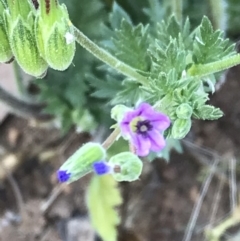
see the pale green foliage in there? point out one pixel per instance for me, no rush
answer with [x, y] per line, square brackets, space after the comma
[168, 51]
[126, 41]
[67, 93]
[102, 198]
[162, 51]
[209, 45]
[130, 43]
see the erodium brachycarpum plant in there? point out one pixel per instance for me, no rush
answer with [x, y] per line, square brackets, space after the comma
[169, 70]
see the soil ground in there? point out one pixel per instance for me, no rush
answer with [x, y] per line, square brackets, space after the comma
[33, 206]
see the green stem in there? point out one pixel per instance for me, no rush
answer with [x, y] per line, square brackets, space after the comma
[111, 139]
[176, 6]
[217, 66]
[107, 58]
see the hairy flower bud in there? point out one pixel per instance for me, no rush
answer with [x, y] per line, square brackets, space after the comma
[20, 22]
[5, 49]
[80, 163]
[180, 128]
[54, 34]
[118, 112]
[184, 111]
[130, 167]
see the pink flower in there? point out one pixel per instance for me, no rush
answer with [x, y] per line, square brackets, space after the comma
[144, 127]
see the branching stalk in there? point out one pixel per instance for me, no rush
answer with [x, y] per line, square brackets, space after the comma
[214, 67]
[107, 58]
[111, 139]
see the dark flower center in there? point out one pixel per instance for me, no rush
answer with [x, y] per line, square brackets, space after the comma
[143, 127]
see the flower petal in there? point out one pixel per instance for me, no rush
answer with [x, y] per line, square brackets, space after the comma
[157, 141]
[125, 129]
[144, 108]
[159, 121]
[130, 115]
[142, 144]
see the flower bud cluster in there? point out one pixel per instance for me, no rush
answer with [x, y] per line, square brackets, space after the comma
[143, 127]
[125, 166]
[37, 33]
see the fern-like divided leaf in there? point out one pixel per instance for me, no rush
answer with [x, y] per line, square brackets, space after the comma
[209, 45]
[208, 112]
[131, 92]
[130, 43]
[102, 198]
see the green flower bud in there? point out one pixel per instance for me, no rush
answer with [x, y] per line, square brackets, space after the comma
[80, 163]
[20, 22]
[130, 166]
[180, 128]
[5, 49]
[184, 111]
[118, 112]
[54, 34]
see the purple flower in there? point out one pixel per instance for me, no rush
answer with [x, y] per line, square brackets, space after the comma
[144, 127]
[101, 168]
[63, 176]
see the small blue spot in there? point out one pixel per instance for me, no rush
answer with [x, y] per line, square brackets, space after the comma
[63, 176]
[101, 167]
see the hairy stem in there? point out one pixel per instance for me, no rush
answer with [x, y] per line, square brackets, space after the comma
[214, 67]
[111, 139]
[107, 58]
[176, 6]
[23, 108]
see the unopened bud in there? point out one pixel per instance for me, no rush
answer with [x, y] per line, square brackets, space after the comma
[20, 22]
[54, 34]
[184, 111]
[127, 167]
[80, 163]
[118, 112]
[5, 49]
[180, 128]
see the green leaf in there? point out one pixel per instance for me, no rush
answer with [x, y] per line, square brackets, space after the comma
[208, 112]
[155, 11]
[102, 198]
[167, 58]
[129, 44]
[105, 89]
[209, 45]
[117, 15]
[130, 93]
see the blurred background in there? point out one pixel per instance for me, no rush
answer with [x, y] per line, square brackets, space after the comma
[192, 196]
